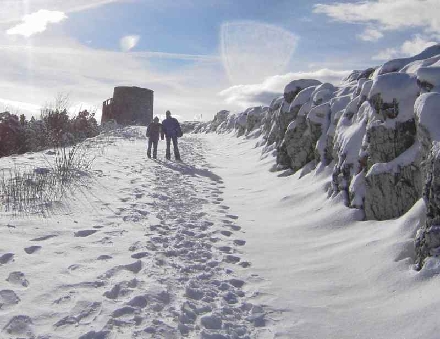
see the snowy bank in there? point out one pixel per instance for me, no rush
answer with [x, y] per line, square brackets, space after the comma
[378, 134]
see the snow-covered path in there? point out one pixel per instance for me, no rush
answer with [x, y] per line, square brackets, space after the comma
[148, 249]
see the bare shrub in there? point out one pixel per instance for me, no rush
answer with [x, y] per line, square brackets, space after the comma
[34, 190]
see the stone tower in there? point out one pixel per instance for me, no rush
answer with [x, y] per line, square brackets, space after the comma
[129, 106]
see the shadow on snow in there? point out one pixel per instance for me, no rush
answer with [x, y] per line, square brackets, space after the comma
[186, 169]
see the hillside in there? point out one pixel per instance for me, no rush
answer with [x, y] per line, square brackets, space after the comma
[314, 217]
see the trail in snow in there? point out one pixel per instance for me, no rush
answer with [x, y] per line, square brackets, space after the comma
[148, 250]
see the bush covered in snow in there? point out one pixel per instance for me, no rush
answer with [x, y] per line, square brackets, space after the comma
[54, 129]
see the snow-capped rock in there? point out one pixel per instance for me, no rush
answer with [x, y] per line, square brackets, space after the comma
[295, 86]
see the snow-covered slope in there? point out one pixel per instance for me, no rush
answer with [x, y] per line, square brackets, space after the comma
[371, 132]
[141, 249]
[322, 271]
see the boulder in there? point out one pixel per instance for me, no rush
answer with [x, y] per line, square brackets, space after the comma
[219, 118]
[254, 117]
[427, 112]
[295, 86]
[393, 188]
[394, 178]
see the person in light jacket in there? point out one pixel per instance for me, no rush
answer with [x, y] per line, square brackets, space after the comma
[171, 130]
[153, 131]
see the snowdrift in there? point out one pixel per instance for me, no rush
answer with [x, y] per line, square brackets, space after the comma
[378, 133]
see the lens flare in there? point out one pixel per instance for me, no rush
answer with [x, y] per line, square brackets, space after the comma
[252, 51]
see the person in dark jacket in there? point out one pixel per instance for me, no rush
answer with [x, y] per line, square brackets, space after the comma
[153, 131]
[171, 130]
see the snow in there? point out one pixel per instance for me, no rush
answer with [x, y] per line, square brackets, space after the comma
[275, 104]
[339, 103]
[350, 133]
[159, 249]
[414, 66]
[430, 75]
[241, 119]
[300, 84]
[366, 87]
[303, 96]
[324, 273]
[401, 87]
[427, 110]
[323, 93]
[319, 114]
[398, 64]
[405, 159]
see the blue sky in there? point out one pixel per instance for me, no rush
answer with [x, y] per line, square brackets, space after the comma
[199, 56]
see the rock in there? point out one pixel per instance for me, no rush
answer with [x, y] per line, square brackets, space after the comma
[219, 118]
[254, 117]
[295, 86]
[393, 180]
[211, 322]
[394, 187]
[427, 241]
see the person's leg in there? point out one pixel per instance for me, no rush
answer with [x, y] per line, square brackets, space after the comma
[168, 151]
[149, 147]
[155, 148]
[176, 149]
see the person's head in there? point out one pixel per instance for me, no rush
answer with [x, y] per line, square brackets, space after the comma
[168, 114]
[156, 119]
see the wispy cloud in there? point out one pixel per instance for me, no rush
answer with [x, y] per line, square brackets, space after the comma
[178, 56]
[263, 93]
[35, 73]
[128, 42]
[386, 54]
[36, 22]
[386, 14]
[370, 34]
[409, 48]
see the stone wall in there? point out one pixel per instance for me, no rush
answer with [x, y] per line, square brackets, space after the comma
[378, 132]
[129, 106]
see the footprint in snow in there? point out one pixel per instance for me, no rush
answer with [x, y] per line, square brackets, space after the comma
[239, 242]
[104, 257]
[18, 278]
[45, 237]
[226, 233]
[5, 258]
[84, 233]
[32, 249]
[8, 298]
[232, 259]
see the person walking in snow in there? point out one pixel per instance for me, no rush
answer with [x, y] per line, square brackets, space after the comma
[171, 130]
[153, 131]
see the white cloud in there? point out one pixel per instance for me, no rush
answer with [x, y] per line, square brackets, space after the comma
[128, 42]
[19, 107]
[14, 10]
[370, 34]
[251, 50]
[416, 45]
[387, 14]
[263, 93]
[177, 56]
[36, 22]
[389, 53]
[35, 73]
[408, 48]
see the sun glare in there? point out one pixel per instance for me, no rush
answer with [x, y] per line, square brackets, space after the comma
[252, 51]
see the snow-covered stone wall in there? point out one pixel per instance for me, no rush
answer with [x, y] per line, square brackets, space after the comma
[379, 131]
